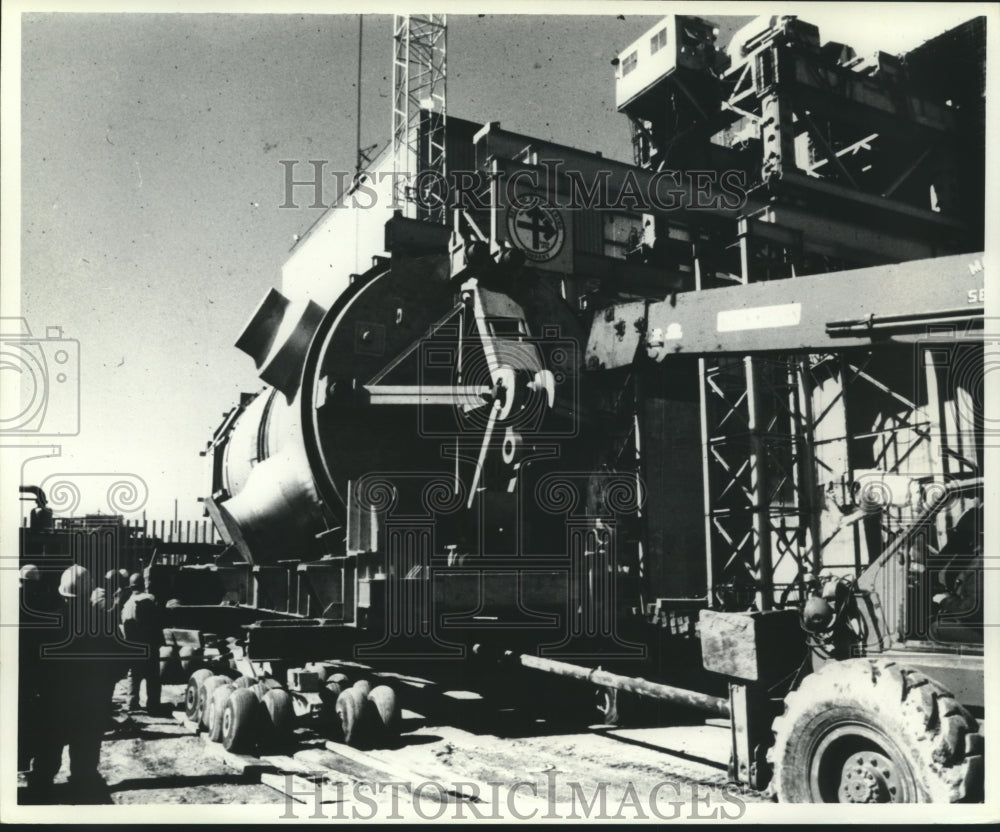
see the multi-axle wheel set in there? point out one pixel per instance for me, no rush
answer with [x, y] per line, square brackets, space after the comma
[248, 714]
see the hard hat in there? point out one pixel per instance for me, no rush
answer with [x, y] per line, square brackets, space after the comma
[75, 581]
[30, 572]
[111, 575]
[123, 574]
[98, 597]
[135, 581]
[817, 614]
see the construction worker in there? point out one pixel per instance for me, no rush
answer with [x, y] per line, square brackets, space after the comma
[116, 585]
[74, 666]
[31, 619]
[141, 624]
[110, 587]
[32, 589]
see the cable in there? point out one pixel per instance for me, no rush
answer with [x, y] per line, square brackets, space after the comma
[357, 145]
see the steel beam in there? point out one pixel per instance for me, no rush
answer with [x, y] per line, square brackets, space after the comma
[862, 207]
[843, 239]
[846, 96]
[653, 690]
[428, 394]
[819, 313]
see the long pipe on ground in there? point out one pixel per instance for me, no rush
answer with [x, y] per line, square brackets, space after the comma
[654, 690]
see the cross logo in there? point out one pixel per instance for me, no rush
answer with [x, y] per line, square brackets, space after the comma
[538, 231]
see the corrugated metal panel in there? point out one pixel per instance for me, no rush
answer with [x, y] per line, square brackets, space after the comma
[588, 232]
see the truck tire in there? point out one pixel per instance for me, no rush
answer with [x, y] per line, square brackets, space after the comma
[323, 671]
[263, 686]
[351, 710]
[329, 719]
[213, 714]
[205, 692]
[239, 721]
[278, 717]
[279, 672]
[244, 682]
[874, 731]
[191, 694]
[384, 698]
[364, 686]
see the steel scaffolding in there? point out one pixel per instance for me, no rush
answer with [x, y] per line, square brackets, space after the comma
[419, 115]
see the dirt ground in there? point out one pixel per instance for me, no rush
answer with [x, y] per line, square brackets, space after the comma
[517, 766]
[154, 759]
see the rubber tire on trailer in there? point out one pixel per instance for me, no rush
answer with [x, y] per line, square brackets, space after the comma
[351, 710]
[324, 671]
[191, 694]
[263, 686]
[278, 717]
[205, 693]
[928, 743]
[384, 699]
[240, 721]
[279, 672]
[329, 719]
[364, 686]
[213, 713]
[244, 682]
[340, 678]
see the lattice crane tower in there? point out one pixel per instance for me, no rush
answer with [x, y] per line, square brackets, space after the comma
[419, 114]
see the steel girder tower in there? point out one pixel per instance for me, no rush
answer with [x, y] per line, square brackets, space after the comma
[419, 114]
[855, 163]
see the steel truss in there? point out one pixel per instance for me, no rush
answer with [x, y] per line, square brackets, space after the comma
[419, 115]
[785, 437]
[856, 161]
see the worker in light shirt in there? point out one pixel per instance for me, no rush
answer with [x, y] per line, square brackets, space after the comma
[74, 667]
[141, 624]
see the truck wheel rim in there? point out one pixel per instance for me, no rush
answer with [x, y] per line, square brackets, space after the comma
[854, 763]
[869, 777]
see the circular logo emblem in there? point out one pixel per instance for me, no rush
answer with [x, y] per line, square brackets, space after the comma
[538, 231]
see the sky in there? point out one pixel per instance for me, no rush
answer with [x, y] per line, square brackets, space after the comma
[151, 186]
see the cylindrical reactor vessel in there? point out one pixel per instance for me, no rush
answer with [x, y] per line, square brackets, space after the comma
[410, 377]
[275, 507]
